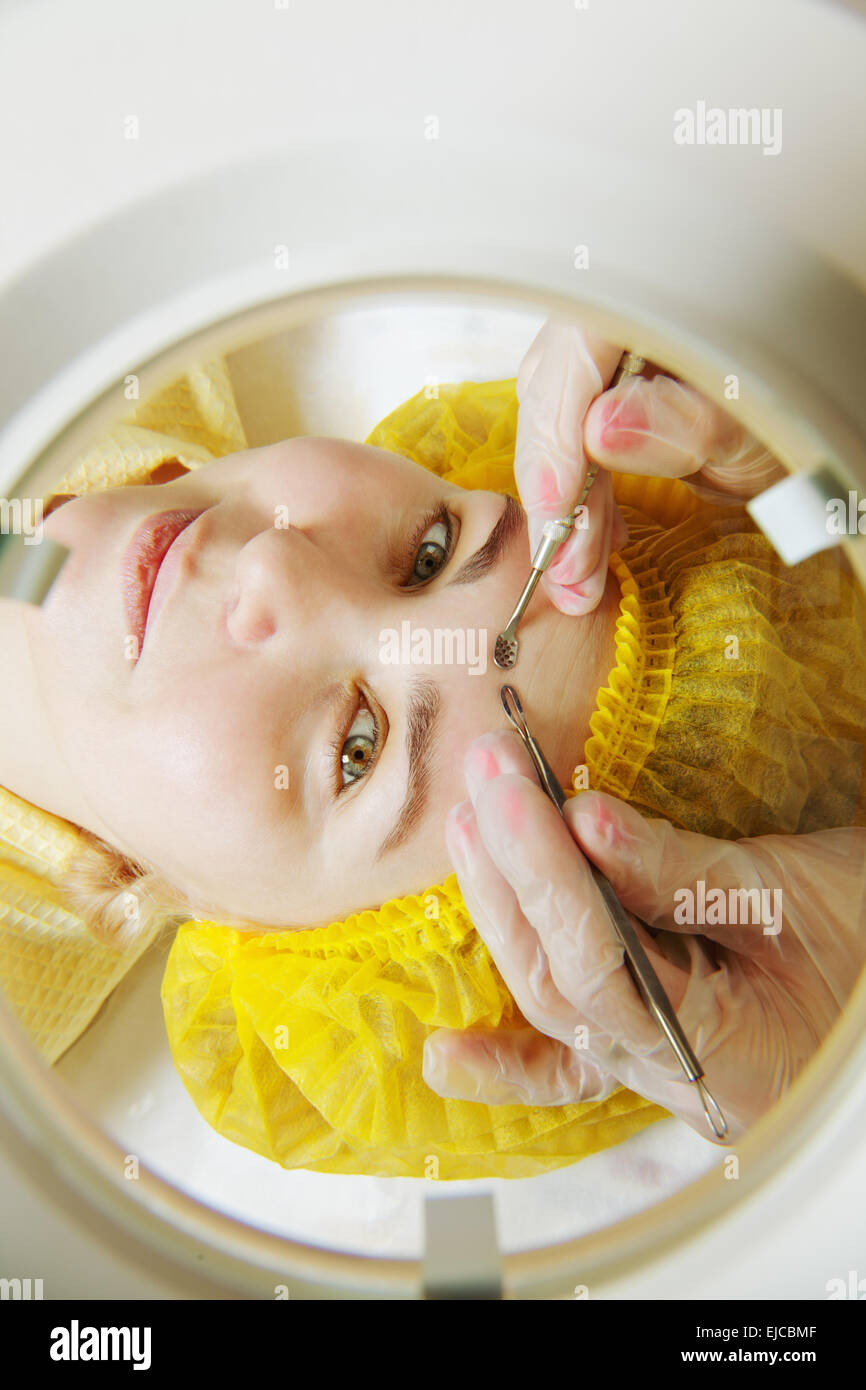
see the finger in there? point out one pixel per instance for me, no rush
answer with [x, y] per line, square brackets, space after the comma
[511, 941]
[492, 754]
[661, 427]
[577, 578]
[683, 1099]
[549, 464]
[493, 907]
[523, 1067]
[526, 971]
[534, 852]
[496, 754]
[619, 538]
[666, 875]
[488, 1067]
[614, 1024]
[555, 338]
[531, 359]
[747, 469]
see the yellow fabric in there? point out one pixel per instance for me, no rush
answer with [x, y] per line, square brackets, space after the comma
[53, 971]
[192, 420]
[306, 1046]
[738, 702]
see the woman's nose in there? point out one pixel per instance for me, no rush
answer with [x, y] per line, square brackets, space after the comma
[286, 587]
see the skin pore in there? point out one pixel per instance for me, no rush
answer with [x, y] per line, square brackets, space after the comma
[265, 656]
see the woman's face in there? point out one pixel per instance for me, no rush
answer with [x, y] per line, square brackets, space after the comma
[289, 738]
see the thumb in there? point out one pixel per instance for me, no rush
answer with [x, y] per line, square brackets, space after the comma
[651, 862]
[495, 1067]
[663, 427]
[658, 426]
[564, 369]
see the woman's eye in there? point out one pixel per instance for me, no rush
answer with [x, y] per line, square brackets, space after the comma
[359, 747]
[432, 553]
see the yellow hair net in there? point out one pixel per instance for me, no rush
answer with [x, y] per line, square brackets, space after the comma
[54, 973]
[306, 1046]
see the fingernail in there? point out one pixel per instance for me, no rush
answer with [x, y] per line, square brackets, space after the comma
[480, 765]
[570, 600]
[619, 537]
[500, 816]
[622, 419]
[595, 818]
[562, 571]
[509, 808]
[541, 488]
[448, 1071]
[458, 831]
[607, 824]
[536, 531]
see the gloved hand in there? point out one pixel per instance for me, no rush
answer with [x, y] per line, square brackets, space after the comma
[755, 1006]
[648, 424]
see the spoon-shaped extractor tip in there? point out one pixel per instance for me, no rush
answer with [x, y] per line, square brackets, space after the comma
[505, 652]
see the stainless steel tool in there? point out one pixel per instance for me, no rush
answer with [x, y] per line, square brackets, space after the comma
[555, 532]
[647, 982]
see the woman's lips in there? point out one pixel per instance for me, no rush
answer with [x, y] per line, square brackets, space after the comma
[143, 574]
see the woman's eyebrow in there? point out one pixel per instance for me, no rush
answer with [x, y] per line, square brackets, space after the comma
[425, 703]
[425, 697]
[512, 521]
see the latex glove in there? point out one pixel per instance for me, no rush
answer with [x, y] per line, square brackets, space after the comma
[563, 371]
[754, 1006]
[648, 424]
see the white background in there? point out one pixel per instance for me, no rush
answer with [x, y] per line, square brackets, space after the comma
[212, 84]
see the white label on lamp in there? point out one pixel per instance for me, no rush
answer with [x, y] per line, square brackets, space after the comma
[795, 514]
